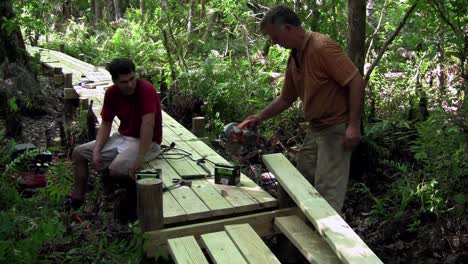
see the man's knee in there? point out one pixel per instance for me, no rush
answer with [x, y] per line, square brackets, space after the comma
[118, 169]
[77, 154]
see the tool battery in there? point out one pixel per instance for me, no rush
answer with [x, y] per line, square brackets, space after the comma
[148, 173]
[227, 174]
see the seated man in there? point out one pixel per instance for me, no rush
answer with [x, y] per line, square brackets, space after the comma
[137, 105]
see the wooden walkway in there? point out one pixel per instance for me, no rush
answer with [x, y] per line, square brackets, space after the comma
[227, 221]
[205, 199]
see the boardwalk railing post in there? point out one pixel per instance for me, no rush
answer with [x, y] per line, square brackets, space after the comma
[150, 204]
[198, 126]
[69, 95]
[68, 80]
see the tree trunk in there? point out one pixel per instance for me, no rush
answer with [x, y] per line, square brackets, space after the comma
[357, 32]
[12, 45]
[190, 15]
[356, 52]
[96, 11]
[142, 7]
[117, 9]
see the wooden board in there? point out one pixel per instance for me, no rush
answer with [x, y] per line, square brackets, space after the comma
[240, 201]
[312, 246]
[193, 206]
[250, 244]
[221, 248]
[348, 246]
[199, 149]
[261, 222]
[185, 250]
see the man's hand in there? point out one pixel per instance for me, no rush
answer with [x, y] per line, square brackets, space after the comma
[250, 122]
[352, 137]
[97, 160]
[138, 164]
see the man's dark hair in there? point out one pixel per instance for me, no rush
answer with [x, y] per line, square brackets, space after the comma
[280, 15]
[120, 66]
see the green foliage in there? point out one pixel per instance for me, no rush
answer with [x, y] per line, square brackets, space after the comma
[231, 89]
[59, 182]
[440, 147]
[12, 105]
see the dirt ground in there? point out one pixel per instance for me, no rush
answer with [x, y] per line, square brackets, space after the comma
[437, 239]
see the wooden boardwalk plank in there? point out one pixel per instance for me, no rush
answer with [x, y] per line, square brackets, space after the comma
[200, 149]
[312, 246]
[239, 200]
[221, 248]
[185, 250]
[261, 222]
[348, 246]
[193, 206]
[172, 211]
[250, 244]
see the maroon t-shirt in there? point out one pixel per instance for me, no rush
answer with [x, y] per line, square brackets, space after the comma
[130, 109]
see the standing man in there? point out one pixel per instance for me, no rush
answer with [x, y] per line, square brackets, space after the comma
[332, 90]
[137, 105]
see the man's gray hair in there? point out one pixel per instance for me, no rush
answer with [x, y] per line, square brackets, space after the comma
[280, 15]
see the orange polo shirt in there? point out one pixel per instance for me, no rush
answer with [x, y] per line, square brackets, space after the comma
[320, 80]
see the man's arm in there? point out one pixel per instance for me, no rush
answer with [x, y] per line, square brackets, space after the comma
[146, 138]
[356, 97]
[101, 140]
[276, 107]
[146, 135]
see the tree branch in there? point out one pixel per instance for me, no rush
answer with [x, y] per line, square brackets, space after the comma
[390, 40]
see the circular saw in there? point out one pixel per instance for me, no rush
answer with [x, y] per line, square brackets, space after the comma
[233, 134]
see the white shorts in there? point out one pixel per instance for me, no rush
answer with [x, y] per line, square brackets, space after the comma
[119, 153]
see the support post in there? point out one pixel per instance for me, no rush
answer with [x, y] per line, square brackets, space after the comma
[84, 103]
[150, 204]
[68, 80]
[284, 200]
[198, 126]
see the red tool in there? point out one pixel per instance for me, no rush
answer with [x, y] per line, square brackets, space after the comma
[233, 133]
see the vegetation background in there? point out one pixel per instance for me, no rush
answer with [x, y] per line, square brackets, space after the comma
[408, 195]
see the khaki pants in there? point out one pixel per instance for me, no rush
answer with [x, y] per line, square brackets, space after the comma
[119, 153]
[325, 163]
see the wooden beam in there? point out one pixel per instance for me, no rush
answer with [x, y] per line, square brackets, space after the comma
[221, 248]
[69, 93]
[261, 222]
[312, 246]
[185, 250]
[198, 126]
[150, 204]
[250, 244]
[339, 235]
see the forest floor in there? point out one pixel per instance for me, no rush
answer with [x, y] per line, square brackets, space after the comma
[436, 240]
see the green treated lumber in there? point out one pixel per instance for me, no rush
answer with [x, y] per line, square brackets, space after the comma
[199, 148]
[261, 222]
[193, 206]
[183, 165]
[240, 201]
[342, 239]
[312, 246]
[204, 189]
[250, 244]
[185, 250]
[221, 248]
[172, 211]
